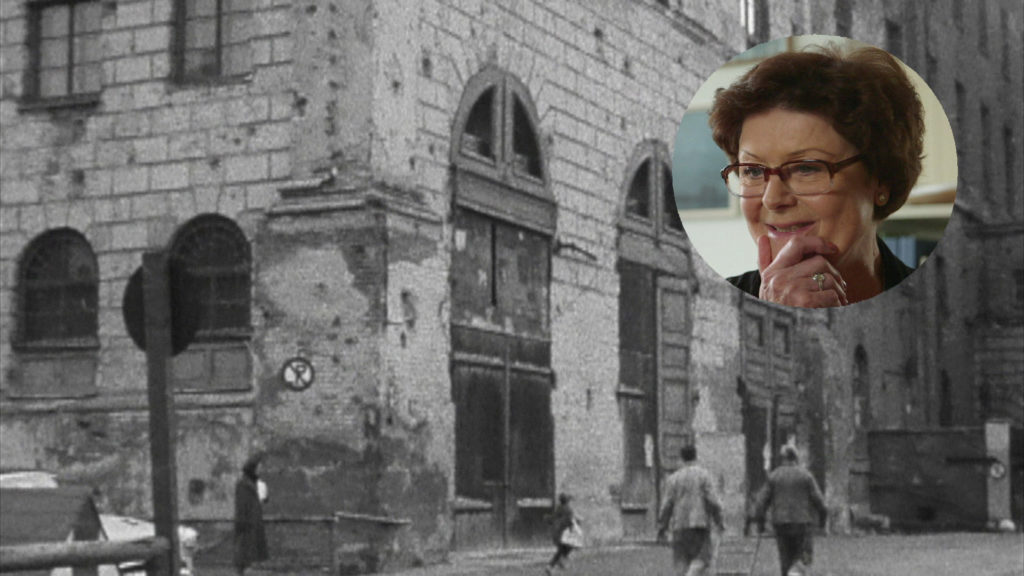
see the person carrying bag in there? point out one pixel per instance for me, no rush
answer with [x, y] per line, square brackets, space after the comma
[566, 533]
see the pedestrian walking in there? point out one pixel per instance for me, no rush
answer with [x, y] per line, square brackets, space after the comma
[565, 533]
[689, 510]
[250, 537]
[796, 503]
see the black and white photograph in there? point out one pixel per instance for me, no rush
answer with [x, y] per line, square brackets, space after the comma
[507, 287]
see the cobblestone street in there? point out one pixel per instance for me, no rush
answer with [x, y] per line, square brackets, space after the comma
[949, 554]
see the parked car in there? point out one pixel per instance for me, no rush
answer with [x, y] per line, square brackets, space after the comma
[116, 528]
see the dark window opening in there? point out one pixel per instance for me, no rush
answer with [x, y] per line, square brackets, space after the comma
[59, 289]
[524, 142]
[754, 331]
[782, 339]
[214, 38]
[217, 255]
[638, 201]
[669, 211]
[478, 138]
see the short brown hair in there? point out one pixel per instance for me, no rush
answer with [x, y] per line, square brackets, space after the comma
[865, 95]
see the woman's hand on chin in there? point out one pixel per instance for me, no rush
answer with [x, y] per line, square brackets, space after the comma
[791, 276]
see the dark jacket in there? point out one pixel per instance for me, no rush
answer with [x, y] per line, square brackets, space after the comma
[893, 272]
[250, 537]
[793, 495]
[560, 519]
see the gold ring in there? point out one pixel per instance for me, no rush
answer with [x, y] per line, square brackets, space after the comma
[820, 279]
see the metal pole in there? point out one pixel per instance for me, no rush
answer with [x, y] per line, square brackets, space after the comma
[157, 305]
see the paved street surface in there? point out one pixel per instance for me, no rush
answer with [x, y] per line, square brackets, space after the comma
[975, 554]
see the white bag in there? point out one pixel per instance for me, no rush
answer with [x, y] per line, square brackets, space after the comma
[573, 535]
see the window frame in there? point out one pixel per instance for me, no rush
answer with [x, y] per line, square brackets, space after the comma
[656, 156]
[179, 50]
[32, 98]
[198, 225]
[496, 186]
[77, 342]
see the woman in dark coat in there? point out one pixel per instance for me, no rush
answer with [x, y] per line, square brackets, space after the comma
[250, 538]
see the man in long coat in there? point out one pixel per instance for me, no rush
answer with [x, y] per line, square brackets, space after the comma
[250, 537]
[689, 509]
[796, 504]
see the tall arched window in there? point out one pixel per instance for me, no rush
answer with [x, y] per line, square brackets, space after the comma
[58, 285]
[503, 222]
[216, 253]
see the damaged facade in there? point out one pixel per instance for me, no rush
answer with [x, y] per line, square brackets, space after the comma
[460, 214]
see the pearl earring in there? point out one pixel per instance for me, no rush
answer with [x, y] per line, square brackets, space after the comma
[881, 198]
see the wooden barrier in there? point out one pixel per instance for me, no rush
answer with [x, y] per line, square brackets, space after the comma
[154, 551]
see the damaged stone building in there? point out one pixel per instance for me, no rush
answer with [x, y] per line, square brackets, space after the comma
[441, 272]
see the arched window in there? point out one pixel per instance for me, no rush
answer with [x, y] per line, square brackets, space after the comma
[58, 283]
[216, 253]
[500, 166]
[650, 205]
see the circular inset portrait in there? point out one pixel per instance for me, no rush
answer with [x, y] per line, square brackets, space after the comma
[814, 171]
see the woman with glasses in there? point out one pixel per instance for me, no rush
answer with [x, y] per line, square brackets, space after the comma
[824, 146]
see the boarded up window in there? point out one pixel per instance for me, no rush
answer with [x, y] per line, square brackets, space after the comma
[673, 369]
[500, 275]
[532, 433]
[479, 430]
[495, 400]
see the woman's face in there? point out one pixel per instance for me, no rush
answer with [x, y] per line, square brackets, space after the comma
[843, 216]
